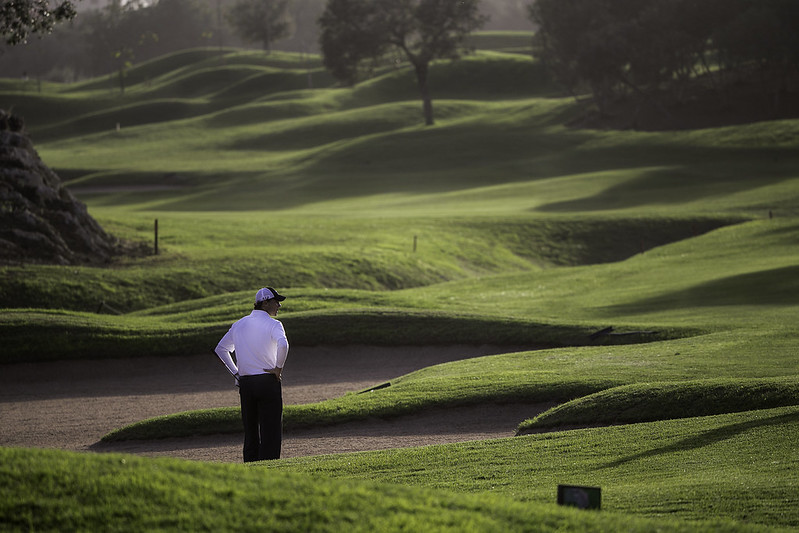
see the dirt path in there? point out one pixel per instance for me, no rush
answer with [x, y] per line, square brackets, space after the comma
[71, 405]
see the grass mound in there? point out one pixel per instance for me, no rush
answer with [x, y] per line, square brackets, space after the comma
[165, 65]
[187, 424]
[646, 402]
[484, 76]
[401, 398]
[502, 41]
[343, 253]
[592, 382]
[131, 115]
[43, 335]
[739, 466]
[47, 490]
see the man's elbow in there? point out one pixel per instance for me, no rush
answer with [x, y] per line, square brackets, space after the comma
[221, 351]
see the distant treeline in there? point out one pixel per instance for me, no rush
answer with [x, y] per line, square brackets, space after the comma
[108, 39]
[666, 52]
[113, 37]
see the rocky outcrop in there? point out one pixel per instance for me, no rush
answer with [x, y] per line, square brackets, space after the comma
[40, 220]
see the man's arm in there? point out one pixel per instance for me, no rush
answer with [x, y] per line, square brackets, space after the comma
[282, 354]
[277, 371]
[224, 350]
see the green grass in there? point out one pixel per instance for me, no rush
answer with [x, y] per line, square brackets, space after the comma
[56, 491]
[646, 401]
[737, 467]
[595, 385]
[506, 41]
[528, 233]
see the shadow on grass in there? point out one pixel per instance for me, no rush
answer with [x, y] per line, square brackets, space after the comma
[677, 173]
[766, 287]
[709, 437]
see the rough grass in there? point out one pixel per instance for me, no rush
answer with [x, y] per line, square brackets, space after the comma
[732, 467]
[46, 490]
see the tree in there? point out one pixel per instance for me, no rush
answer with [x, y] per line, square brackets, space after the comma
[667, 52]
[111, 38]
[121, 32]
[762, 37]
[19, 18]
[264, 21]
[357, 32]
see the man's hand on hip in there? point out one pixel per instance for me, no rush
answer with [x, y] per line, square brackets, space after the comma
[277, 371]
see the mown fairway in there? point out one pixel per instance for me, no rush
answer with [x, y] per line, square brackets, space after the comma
[499, 225]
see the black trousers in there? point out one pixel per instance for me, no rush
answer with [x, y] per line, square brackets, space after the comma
[262, 415]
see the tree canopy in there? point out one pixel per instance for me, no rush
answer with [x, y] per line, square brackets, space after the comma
[358, 33]
[20, 18]
[118, 34]
[261, 21]
[666, 51]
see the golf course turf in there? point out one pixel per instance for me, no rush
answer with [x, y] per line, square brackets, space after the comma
[499, 225]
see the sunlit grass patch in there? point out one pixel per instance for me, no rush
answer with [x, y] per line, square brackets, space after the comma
[54, 490]
[736, 467]
[646, 402]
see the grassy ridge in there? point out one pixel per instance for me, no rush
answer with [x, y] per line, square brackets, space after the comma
[645, 402]
[736, 467]
[205, 255]
[339, 253]
[602, 385]
[44, 335]
[51, 490]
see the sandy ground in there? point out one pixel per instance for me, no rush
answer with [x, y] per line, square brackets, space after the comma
[71, 405]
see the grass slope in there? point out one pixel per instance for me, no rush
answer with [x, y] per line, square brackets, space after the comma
[645, 402]
[499, 224]
[596, 385]
[55, 491]
[738, 467]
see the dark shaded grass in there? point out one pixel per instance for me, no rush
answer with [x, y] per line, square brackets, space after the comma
[45, 336]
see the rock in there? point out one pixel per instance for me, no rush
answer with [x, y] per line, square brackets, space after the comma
[40, 220]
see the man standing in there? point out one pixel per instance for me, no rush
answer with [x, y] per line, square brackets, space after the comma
[261, 348]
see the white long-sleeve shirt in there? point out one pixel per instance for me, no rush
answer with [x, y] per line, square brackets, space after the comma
[259, 342]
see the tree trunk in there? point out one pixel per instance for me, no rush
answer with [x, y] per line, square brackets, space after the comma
[267, 40]
[427, 104]
[122, 80]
